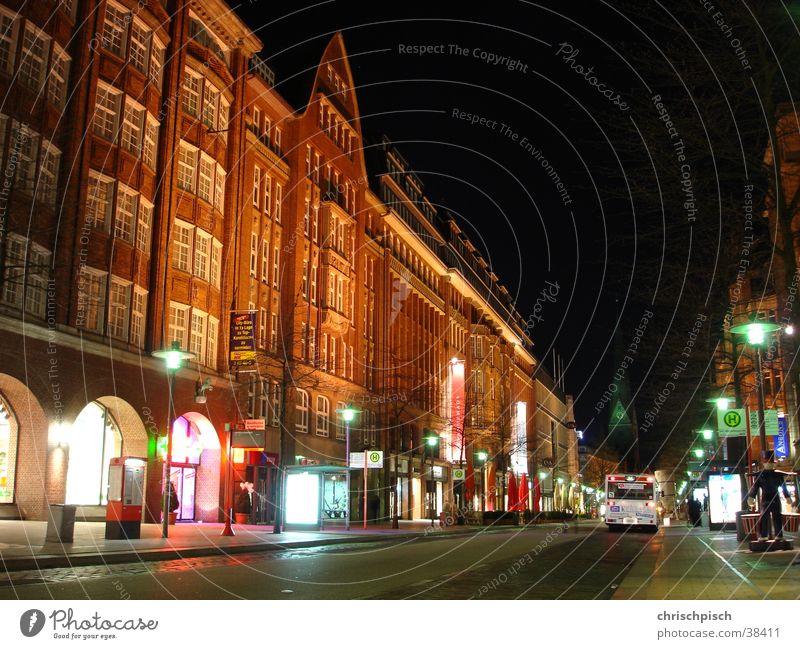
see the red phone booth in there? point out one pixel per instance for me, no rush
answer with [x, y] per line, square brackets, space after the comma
[125, 497]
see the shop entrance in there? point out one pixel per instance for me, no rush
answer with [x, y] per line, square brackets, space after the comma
[263, 479]
[185, 480]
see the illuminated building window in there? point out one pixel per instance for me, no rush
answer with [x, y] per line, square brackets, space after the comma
[210, 102]
[178, 322]
[140, 42]
[186, 166]
[106, 108]
[257, 187]
[143, 225]
[35, 46]
[216, 257]
[119, 308]
[182, 246]
[114, 29]
[91, 299]
[126, 214]
[156, 62]
[197, 337]
[341, 433]
[301, 414]
[138, 316]
[211, 346]
[99, 195]
[48, 174]
[149, 150]
[323, 416]
[206, 179]
[8, 39]
[191, 93]
[59, 72]
[273, 335]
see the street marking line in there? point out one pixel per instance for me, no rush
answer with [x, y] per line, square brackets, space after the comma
[734, 570]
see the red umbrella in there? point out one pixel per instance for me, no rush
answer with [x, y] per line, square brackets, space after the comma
[523, 493]
[537, 492]
[491, 477]
[469, 487]
[513, 494]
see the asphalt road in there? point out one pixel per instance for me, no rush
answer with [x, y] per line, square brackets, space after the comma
[546, 562]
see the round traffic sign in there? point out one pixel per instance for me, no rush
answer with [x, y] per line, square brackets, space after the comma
[732, 419]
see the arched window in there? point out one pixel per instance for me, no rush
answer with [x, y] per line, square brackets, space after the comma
[323, 416]
[8, 452]
[301, 416]
[93, 440]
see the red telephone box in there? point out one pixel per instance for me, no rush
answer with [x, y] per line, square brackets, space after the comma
[125, 497]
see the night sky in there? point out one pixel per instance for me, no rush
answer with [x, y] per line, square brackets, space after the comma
[528, 75]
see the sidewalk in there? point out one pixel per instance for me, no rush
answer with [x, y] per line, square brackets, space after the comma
[23, 547]
[694, 563]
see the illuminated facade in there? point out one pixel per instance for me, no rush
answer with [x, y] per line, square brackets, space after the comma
[159, 183]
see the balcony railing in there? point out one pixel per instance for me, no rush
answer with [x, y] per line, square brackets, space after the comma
[259, 67]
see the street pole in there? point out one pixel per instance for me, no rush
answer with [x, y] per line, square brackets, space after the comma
[165, 507]
[365, 489]
[228, 529]
[347, 464]
[762, 428]
[433, 496]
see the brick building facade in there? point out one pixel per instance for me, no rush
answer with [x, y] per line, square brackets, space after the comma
[154, 183]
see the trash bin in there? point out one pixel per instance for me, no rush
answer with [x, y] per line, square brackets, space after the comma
[60, 524]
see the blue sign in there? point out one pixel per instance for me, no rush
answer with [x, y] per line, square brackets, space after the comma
[781, 442]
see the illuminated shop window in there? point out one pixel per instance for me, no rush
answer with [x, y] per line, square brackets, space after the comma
[8, 452]
[94, 439]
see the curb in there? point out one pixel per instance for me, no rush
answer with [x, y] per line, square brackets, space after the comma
[42, 562]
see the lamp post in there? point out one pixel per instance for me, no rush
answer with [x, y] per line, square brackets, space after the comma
[173, 358]
[481, 456]
[756, 332]
[431, 441]
[348, 414]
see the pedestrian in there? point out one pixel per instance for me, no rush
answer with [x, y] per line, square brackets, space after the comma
[769, 482]
[694, 511]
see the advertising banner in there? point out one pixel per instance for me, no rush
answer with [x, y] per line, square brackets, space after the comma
[457, 408]
[242, 340]
[724, 497]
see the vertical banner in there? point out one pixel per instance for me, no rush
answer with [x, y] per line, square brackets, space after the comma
[519, 451]
[242, 340]
[781, 443]
[457, 408]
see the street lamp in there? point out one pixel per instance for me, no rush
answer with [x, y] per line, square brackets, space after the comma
[431, 441]
[756, 332]
[348, 414]
[481, 456]
[173, 358]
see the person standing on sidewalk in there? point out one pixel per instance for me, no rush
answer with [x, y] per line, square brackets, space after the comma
[769, 482]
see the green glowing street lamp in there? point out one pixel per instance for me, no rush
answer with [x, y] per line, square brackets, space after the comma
[431, 441]
[173, 358]
[699, 453]
[348, 415]
[481, 455]
[707, 434]
[756, 332]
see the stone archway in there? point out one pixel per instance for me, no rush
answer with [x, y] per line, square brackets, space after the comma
[28, 426]
[207, 487]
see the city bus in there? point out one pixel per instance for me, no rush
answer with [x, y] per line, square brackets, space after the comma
[631, 501]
